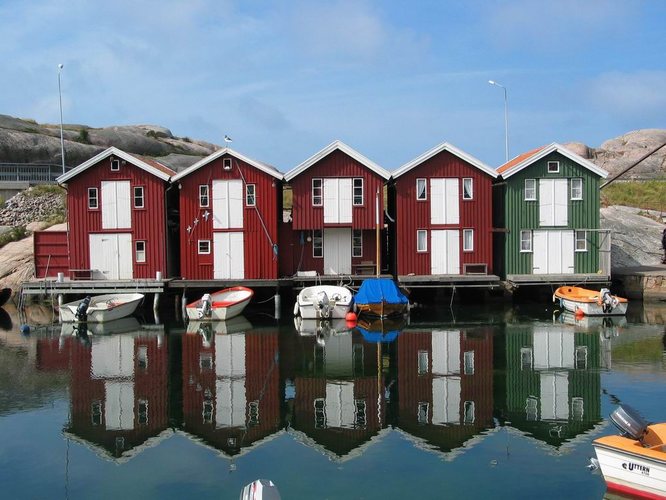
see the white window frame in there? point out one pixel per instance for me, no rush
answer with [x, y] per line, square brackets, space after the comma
[523, 239]
[555, 164]
[317, 192]
[140, 254]
[424, 190]
[250, 195]
[317, 244]
[204, 195]
[421, 233]
[203, 247]
[138, 193]
[468, 364]
[226, 164]
[580, 236]
[470, 181]
[532, 189]
[357, 237]
[357, 186]
[423, 362]
[93, 194]
[469, 232]
[142, 412]
[115, 165]
[577, 188]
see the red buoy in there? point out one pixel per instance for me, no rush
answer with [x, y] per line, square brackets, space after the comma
[350, 317]
[579, 313]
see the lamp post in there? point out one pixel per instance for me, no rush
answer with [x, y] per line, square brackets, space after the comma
[506, 118]
[62, 142]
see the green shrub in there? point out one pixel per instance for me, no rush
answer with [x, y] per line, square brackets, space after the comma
[648, 195]
[84, 137]
[14, 234]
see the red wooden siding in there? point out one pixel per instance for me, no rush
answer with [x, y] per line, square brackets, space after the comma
[413, 215]
[51, 253]
[261, 262]
[336, 164]
[148, 224]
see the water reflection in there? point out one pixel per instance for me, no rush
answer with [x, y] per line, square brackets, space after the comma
[233, 386]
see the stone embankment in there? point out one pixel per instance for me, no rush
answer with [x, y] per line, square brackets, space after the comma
[32, 205]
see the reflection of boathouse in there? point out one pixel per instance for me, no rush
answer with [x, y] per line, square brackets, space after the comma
[335, 389]
[231, 387]
[119, 391]
[553, 382]
[445, 384]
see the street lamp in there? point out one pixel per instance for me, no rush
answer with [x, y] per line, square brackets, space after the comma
[62, 142]
[506, 118]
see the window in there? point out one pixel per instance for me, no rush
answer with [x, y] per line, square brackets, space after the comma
[207, 411]
[581, 357]
[421, 240]
[468, 191]
[142, 357]
[468, 409]
[576, 188]
[320, 413]
[526, 358]
[526, 241]
[360, 413]
[204, 247]
[423, 362]
[250, 195]
[253, 413]
[96, 412]
[468, 240]
[421, 189]
[423, 410]
[317, 193]
[143, 411]
[553, 167]
[531, 409]
[358, 191]
[93, 198]
[226, 164]
[115, 164]
[140, 251]
[530, 189]
[469, 363]
[581, 241]
[205, 361]
[138, 197]
[577, 408]
[357, 243]
[317, 243]
[204, 198]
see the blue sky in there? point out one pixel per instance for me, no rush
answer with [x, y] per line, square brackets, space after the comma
[391, 79]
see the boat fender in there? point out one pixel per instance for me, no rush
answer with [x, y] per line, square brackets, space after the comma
[296, 308]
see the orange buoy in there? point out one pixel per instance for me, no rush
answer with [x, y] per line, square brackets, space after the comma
[579, 313]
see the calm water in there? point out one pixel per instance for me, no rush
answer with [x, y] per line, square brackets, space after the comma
[474, 402]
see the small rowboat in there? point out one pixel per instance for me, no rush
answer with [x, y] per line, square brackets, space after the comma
[635, 462]
[100, 308]
[590, 302]
[323, 302]
[223, 304]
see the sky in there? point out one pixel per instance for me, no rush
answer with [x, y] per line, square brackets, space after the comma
[391, 79]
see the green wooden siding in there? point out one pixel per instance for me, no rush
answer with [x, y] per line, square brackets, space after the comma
[520, 215]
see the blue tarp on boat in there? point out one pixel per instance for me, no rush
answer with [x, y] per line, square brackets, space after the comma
[377, 290]
[376, 337]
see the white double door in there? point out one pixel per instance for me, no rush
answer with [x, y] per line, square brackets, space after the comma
[337, 251]
[445, 251]
[111, 255]
[228, 247]
[553, 252]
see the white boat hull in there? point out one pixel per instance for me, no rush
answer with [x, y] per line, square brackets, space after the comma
[102, 308]
[592, 308]
[632, 473]
[339, 302]
[234, 299]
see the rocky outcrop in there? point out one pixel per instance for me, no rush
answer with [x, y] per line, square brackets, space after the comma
[32, 205]
[635, 237]
[26, 141]
[617, 154]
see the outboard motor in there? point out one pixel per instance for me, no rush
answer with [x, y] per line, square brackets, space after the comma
[608, 301]
[323, 304]
[81, 313]
[206, 308]
[629, 422]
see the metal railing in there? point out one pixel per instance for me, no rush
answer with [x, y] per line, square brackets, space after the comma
[37, 173]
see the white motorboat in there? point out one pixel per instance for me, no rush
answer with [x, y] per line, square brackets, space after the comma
[221, 305]
[635, 462]
[323, 302]
[100, 308]
[580, 300]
